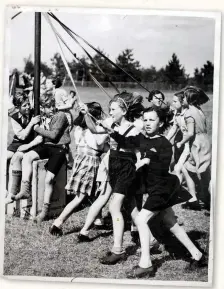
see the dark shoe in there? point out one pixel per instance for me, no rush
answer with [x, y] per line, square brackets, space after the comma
[83, 238]
[135, 237]
[192, 206]
[154, 247]
[139, 272]
[112, 258]
[194, 264]
[54, 230]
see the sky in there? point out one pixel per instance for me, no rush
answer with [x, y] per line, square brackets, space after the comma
[153, 38]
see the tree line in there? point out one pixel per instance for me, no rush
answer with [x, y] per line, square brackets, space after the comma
[172, 75]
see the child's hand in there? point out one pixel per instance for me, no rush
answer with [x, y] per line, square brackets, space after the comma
[35, 119]
[179, 145]
[23, 148]
[83, 108]
[141, 163]
[105, 125]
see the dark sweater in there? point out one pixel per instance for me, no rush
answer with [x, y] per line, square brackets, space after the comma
[58, 133]
[158, 150]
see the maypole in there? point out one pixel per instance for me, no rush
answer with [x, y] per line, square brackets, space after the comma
[37, 61]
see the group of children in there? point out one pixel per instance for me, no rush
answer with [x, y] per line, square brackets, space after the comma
[121, 157]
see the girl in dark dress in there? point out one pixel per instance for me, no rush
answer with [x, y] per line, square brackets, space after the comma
[163, 189]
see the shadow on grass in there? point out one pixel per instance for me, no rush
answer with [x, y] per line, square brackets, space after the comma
[172, 245]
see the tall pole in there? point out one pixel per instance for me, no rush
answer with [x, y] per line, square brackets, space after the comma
[37, 57]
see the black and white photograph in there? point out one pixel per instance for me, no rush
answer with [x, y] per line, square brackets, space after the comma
[110, 145]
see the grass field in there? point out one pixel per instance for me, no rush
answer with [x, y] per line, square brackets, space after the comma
[31, 251]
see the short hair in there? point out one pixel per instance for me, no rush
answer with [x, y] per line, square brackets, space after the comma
[19, 99]
[163, 114]
[57, 82]
[47, 101]
[153, 93]
[72, 91]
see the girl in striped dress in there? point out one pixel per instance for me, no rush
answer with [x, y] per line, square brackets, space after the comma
[88, 150]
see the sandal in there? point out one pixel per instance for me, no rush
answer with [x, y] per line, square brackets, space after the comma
[139, 272]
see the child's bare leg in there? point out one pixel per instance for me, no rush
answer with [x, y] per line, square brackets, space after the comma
[96, 207]
[68, 210]
[170, 220]
[145, 235]
[190, 185]
[118, 222]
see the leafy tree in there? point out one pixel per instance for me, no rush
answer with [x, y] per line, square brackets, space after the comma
[105, 65]
[79, 69]
[149, 74]
[174, 71]
[126, 61]
[207, 72]
[58, 65]
[29, 67]
[46, 69]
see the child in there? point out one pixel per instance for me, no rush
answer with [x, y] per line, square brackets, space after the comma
[156, 98]
[163, 189]
[89, 147]
[196, 157]
[54, 148]
[123, 109]
[22, 121]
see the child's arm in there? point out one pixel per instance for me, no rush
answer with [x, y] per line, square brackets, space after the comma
[35, 142]
[190, 131]
[59, 127]
[95, 129]
[129, 142]
[172, 131]
[23, 133]
[69, 104]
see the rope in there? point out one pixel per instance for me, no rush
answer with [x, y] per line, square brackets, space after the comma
[90, 57]
[87, 70]
[67, 29]
[63, 57]
[96, 50]
[62, 54]
[12, 83]
[15, 15]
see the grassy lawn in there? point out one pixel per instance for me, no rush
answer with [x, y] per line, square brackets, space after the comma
[31, 251]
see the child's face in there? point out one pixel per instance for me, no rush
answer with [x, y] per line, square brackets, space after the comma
[49, 110]
[152, 123]
[116, 112]
[157, 100]
[25, 108]
[177, 104]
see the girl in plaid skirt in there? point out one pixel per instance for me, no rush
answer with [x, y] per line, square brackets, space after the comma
[88, 149]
